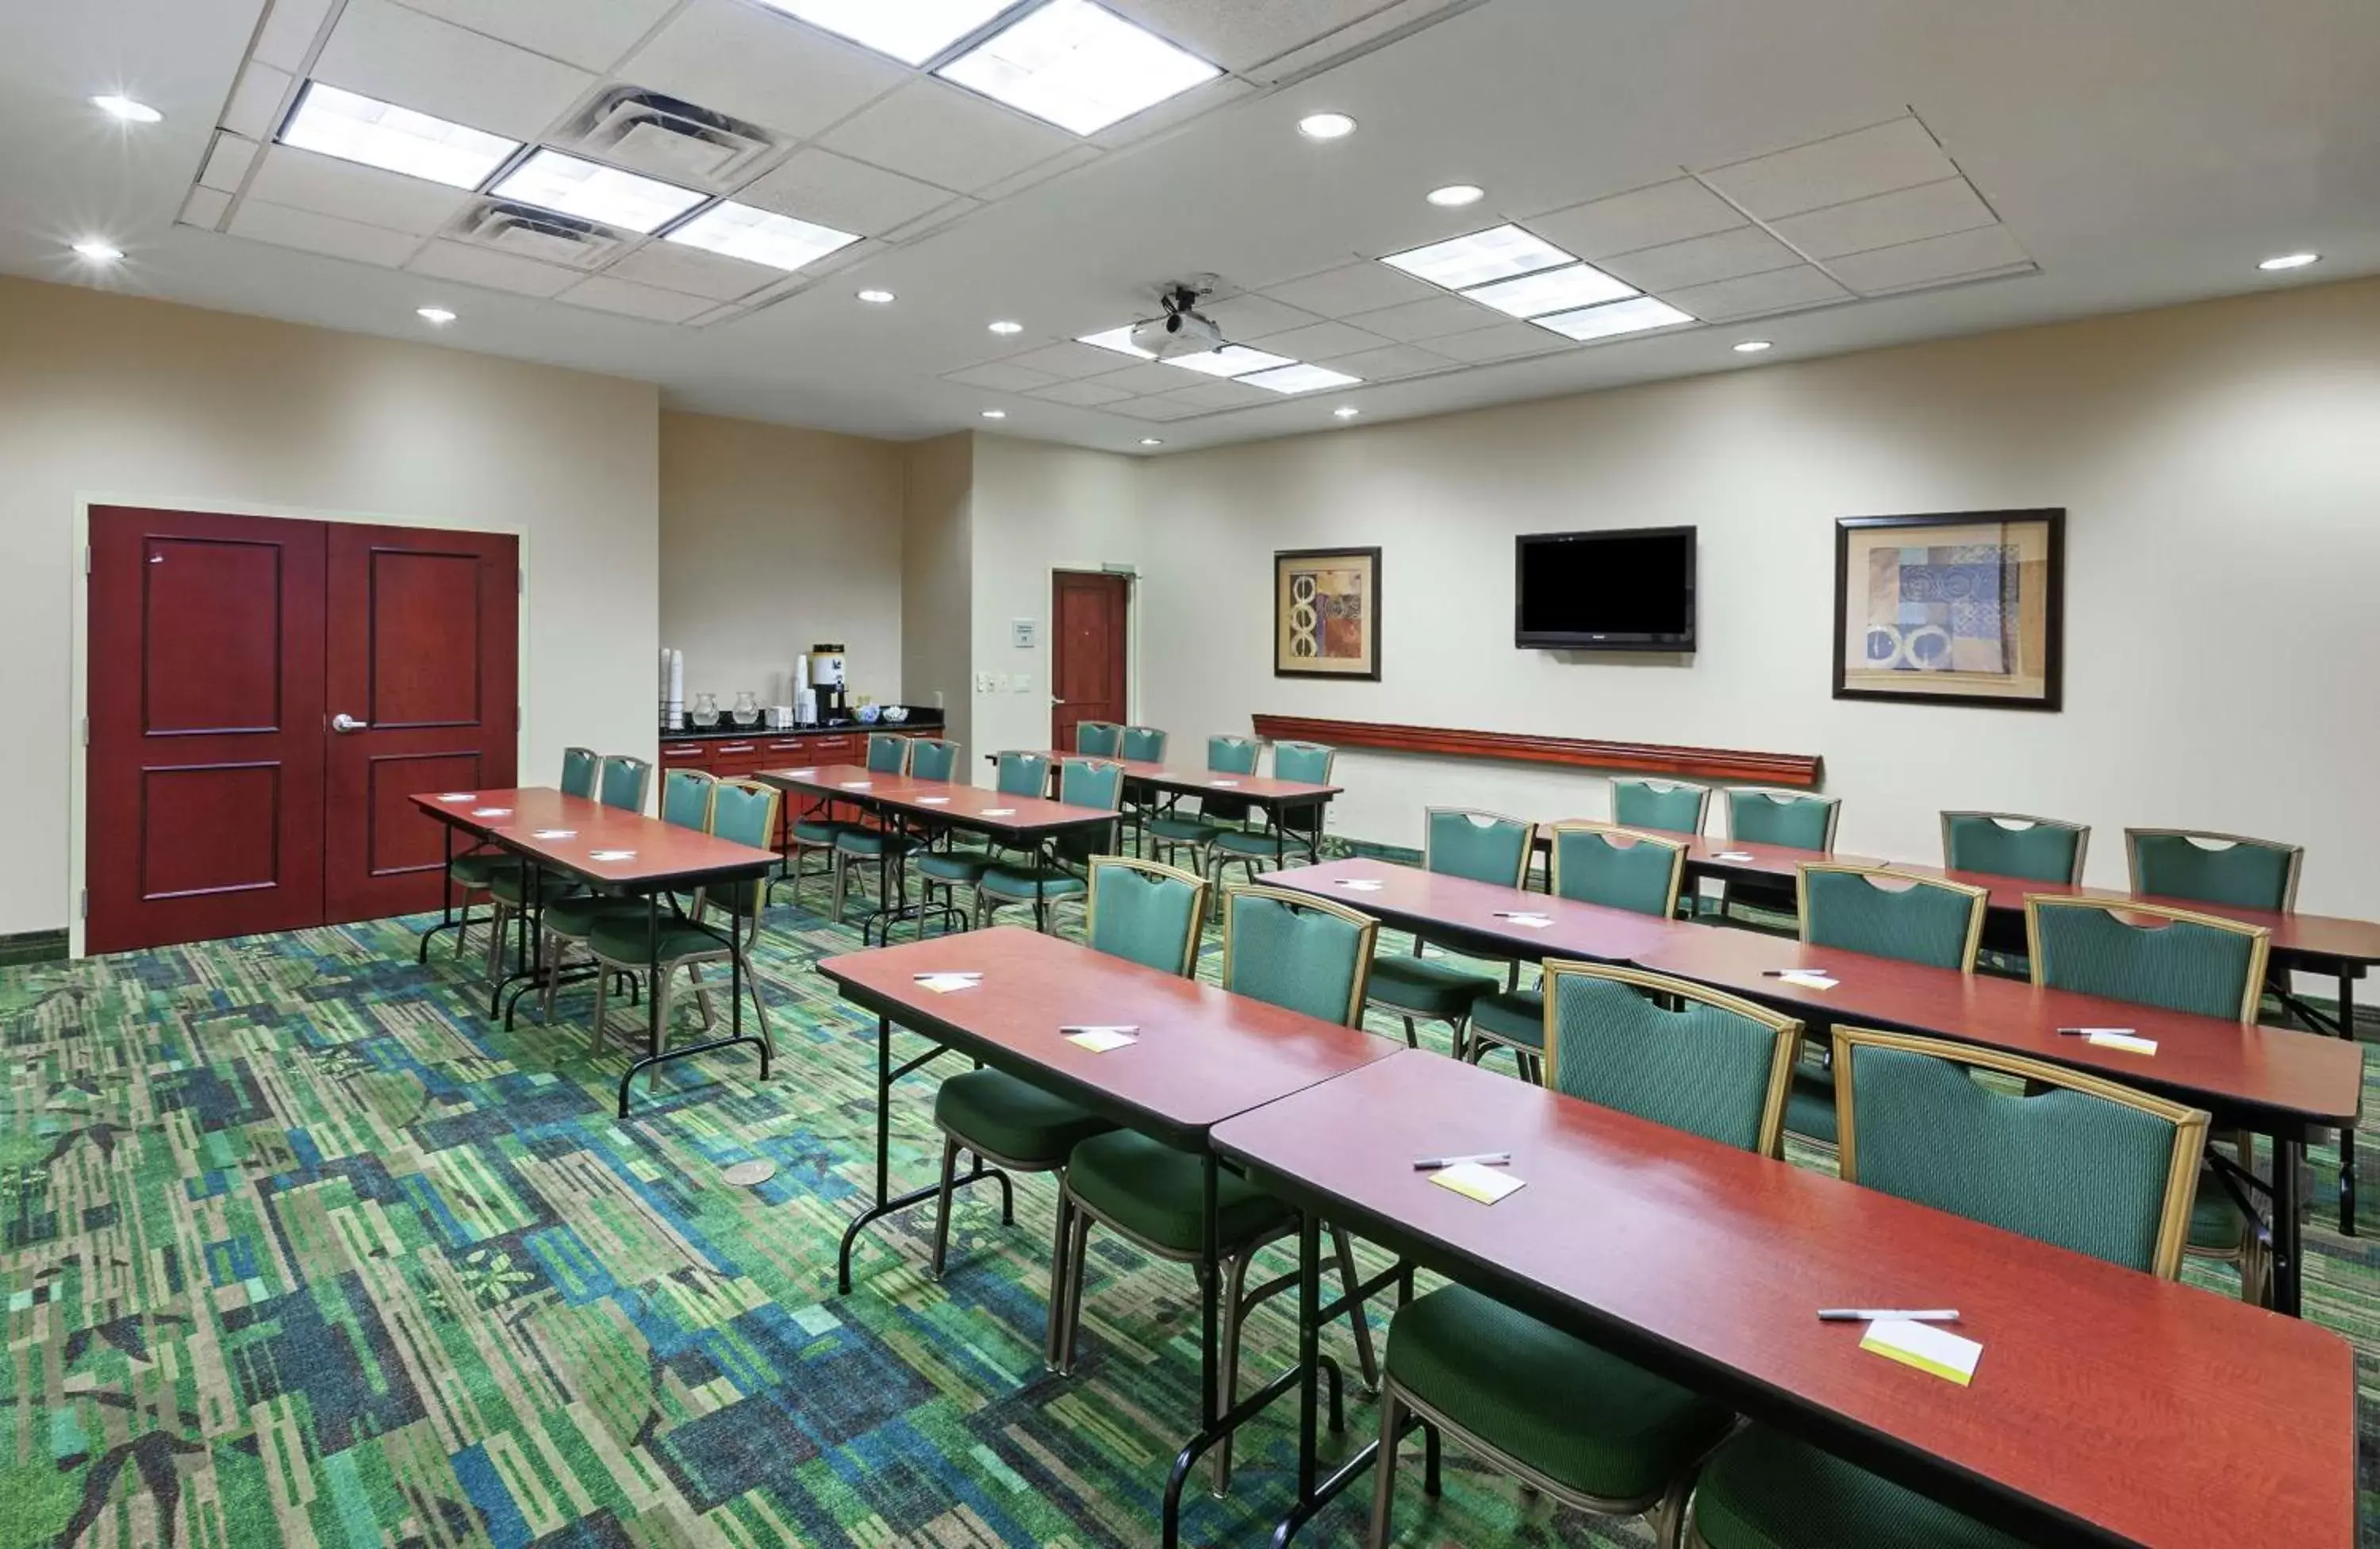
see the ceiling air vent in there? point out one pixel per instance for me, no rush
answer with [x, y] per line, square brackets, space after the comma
[527, 232]
[665, 137]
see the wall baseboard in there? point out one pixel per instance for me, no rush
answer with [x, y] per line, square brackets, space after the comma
[1638, 758]
[33, 946]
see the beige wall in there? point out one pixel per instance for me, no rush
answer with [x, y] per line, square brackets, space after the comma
[774, 539]
[102, 398]
[936, 570]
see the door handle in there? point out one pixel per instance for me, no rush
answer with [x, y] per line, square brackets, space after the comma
[345, 723]
[1055, 700]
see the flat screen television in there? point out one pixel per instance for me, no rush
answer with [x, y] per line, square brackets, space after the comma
[1626, 590]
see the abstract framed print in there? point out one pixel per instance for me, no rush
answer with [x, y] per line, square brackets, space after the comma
[1327, 613]
[1961, 608]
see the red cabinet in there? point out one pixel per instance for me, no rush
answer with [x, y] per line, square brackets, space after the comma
[732, 757]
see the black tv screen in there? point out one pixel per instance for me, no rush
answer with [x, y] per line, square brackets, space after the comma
[1631, 590]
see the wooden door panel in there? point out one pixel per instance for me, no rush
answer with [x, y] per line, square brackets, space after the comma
[209, 829]
[210, 636]
[397, 842]
[425, 639]
[1089, 614]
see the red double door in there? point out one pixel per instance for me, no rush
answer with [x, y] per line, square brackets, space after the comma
[264, 696]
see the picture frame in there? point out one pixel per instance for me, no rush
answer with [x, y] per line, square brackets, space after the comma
[1964, 607]
[1326, 606]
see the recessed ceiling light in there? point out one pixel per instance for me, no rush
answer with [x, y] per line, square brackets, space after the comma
[1326, 126]
[1752, 347]
[911, 31]
[1552, 290]
[96, 252]
[877, 297]
[380, 134]
[595, 192]
[438, 315]
[1007, 327]
[127, 109]
[2290, 261]
[1232, 360]
[1150, 440]
[1456, 195]
[1078, 66]
[995, 414]
[758, 235]
[1346, 411]
[1119, 340]
[1498, 253]
[1300, 378]
[1617, 317]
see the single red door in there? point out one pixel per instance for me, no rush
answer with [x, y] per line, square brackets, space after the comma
[423, 633]
[1088, 612]
[204, 787]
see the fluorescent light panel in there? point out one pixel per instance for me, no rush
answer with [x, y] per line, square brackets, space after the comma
[1498, 253]
[1077, 66]
[356, 128]
[910, 30]
[1232, 360]
[759, 236]
[1617, 317]
[1300, 378]
[1553, 291]
[595, 192]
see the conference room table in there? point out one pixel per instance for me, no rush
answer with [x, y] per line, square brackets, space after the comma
[2272, 1081]
[1276, 798]
[2108, 1407]
[1202, 1056]
[609, 851]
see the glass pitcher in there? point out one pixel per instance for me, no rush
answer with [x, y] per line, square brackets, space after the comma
[706, 710]
[746, 710]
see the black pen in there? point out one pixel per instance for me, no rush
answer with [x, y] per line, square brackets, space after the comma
[1485, 1159]
[1779, 973]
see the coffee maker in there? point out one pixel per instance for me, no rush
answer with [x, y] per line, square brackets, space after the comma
[827, 682]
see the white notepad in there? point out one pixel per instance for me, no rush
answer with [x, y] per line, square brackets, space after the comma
[1927, 1346]
[555, 833]
[1000, 811]
[943, 984]
[1225, 783]
[933, 800]
[1809, 981]
[1526, 921]
[799, 773]
[1731, 855]
[612, 855]
[460, 795]
[1100, 1041]
[1473, 1181]
[857, 785]
[1359, 884]
[492, 812]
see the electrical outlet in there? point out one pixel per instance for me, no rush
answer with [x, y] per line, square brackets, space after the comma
[1023, 682]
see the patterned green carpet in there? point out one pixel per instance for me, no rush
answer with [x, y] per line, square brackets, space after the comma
[300, 1249]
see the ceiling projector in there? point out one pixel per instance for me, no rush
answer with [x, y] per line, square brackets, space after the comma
[1182, 331]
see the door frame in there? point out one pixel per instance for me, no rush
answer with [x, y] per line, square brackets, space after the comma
[1130, 575]
[78, 658]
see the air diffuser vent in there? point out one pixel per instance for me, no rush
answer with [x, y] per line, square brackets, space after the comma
[662, 137]
[526, 232]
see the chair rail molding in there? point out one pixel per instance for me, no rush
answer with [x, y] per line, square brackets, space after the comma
[1636, 758]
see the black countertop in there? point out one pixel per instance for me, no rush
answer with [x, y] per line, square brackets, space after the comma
[920, 718]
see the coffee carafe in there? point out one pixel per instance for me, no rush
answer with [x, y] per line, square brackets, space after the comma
[827, 680]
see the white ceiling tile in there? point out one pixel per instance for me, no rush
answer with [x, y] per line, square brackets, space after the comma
[1506, 341]
[205, 207]
[1040, 172]
[288, 33]
[255, 108]
[228, 162]
[1249, 32]
[1252, 317]
[675, 266]
[1080, 395]
[717, 314]
[1379, 23]
[756, 64]
[1000, 377]
[1899, 154]
[1754, 295]
[946, 136]
[605, 294]
[827, 189]
[399, 56]
[1931, 261]
[469, 265]
[1887, 220]
[284, 227]
[1383, 365]
[1723, 255]
[591, 34]
[1145, 378]
[1416, 321]
[1319, 339]
[330, 187]
[1665, 213]
[1359, 287]
[1160, 410]
[1210, 395]
[959, 207]
[1069, 360]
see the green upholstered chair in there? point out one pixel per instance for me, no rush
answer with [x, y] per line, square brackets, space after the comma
[686, 797]
[1098, 739]
[745, 812]
[2214, 867]
[1663, 806]
[1144, 744]
[622, 782]
[1309, 955]
[2182, 961]
[2075, 1160]
[942, 873]
[1040, 884]
[1564, 1416]
[1139, 911]
[2011, 845]
[1483, 846]
[1287, 829]
[1175, 829]
[1790, 819]
[933, 757]
[1591, 863]
[887, 754]
[473, 873]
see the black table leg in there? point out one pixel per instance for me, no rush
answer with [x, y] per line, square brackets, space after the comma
[2347, 1131]
[654, 1054]
[445, 896]
[886, 1074]
[2287, 1269]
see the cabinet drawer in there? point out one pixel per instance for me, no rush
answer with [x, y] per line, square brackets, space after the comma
[686, 755]
[740, 755]
[832, 750]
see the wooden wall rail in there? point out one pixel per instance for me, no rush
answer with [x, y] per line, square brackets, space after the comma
[1639, 758]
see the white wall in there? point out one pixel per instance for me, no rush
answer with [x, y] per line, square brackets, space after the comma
[104, 397]
[2220, 465]
[937, 571]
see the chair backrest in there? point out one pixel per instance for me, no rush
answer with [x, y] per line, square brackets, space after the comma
[1023, 774]
[1098, 739]
[1144, 744]
[1309, 955]
[1306, 762]
[626, 782]
[745, 812]
[1717, 1066]
[580, 767]
[1485, 847]
[1150, 914]
[1088, 782]
[1783, 817]
[1666, 806]
[1619, 867]
[887, 754]
[1232, 755]
[685, 798]
[2072, 1159]
[2214, 867]
[1892, 914]
[2011, 845]
[932, 758]
[2171, 958]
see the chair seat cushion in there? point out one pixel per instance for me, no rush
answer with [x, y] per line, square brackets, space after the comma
[513, 886]
[1764, 1489]
[1023, 884]
[1151, 1191]
[475, 871]
[872, 842]
[1517, 1016]
[818, 830]
[1186, 830]
[1810, 1103]
[1257, 841]
[1578, 1414]
[624, 940]
[2216, 1225]
[959, 866]
[1014, 1119]
[1426, 987]
[574, 917]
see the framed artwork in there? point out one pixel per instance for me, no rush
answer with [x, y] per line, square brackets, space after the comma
[1963, 608]
[1325, 607]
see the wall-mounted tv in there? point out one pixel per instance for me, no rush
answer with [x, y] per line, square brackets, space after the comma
[1626, 590]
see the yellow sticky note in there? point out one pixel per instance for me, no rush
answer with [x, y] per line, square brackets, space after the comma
[945, 984]
[1100, 1041]
[1808, 980]
[1926, 1346]
[2121, 1038]
[1473, 1181]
